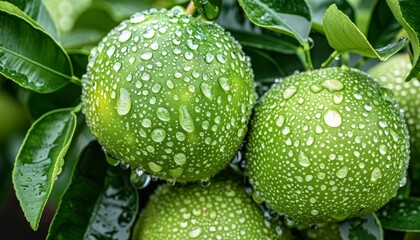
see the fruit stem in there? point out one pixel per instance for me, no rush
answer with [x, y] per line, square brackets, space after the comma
[190, 8]
[308, 60]
[76, 80]
[330, 59]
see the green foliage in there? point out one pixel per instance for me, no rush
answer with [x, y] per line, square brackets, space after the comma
[44, 49]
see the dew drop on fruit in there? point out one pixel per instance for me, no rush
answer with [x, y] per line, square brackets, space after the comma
[110, 51]
[124, 102]
[224, 83]
[315, 88]
[191, 44]
[376, 174]
[314, 212]
[368, 107]
[150, 33]
[206, 90]
[139, 179]
[256, 196]
[332, 85]
[332, 118]
[382, 124]
[146, 55]
[342, 172]
[289, 92]
[221, 58]
[303, 159]
[146, 123]
[195, 233]
[155, 167]
[180, 158]
[205, 182]
[176, 172]
[163, 114]
[209, 58]
[338, 98]
[280, 121]
[310, 140]
[124, 36]
[383, 149]
[137, 18]
[185, 119]
[117, 66]
[158, 134]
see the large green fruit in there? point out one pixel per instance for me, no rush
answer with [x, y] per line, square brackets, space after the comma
[169, 94]
[392, 74]
[327, 145]
[221, 211]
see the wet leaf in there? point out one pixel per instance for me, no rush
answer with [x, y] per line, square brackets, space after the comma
[209, 9]
[40, 159]
[365, 227]
[401, 215]
[318, 8]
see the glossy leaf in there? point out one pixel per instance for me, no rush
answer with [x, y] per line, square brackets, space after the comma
[406, 13]
[365, 227]
[109, 202]
[401, 215]
[383, 26]
[292, 18]
[38, 12]
[209, 9]
[39, 161]
[344, 36]
[28, 55]
[318, 8]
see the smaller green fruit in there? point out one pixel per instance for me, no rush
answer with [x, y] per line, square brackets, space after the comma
[392, 74]
[221, 211]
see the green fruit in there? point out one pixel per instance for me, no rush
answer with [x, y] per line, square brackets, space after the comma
[169, 94]
[392, 74]
[221, 211]
[327, 145]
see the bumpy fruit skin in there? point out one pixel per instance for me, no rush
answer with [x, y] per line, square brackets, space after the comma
[169, 94]
[327, 145]
[221, 211]
[392, 74]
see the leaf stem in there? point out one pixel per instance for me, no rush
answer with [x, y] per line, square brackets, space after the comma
[330, 59]
[76, 80]
[190, 8]
[308, 59]
[78, 108]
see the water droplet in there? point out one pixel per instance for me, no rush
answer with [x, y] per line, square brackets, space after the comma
[368, 107]
[139, 179]
[209, 58]
[310, 140]
[358, 96]
[124, 36]
[315, 88]
[110, 51]
[137, 18]
[342, 172]
[180, 158]
[155, 167]
[220, 58]
[163, 114]
[195, 233]
[176, 172]
[376, 174]
[180, 136]
[154, 46]
[289, 92]
[124, 102]
[158, 134]
[338, 98]
[382, 124]
[150, 33]
[146, 55]
[332, 85]
[206, 90]
[170, 84]
[117, 66]
[224, 83]
[319, 129]
[185, 119]
[383, 149]
[280, 121]
[192, 45]
[332, 118]
[146, 123]
[303, 159]
[188, 55]
[314, 212]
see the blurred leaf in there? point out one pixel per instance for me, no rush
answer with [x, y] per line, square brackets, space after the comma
[412, 236]
[209, 9]
[79, 59]
[109, 202]
[383, 26]
[318, 8]
[28, 55]
[82, 39]
[344, 36]
[38, 104]
[40, 159]
[401, 215]
[406, 13]
[38, 12]
[365, 227]
[292, 18]
[13, 113]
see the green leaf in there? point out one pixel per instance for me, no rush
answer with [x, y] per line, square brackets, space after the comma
[365, 227]
[209, 9]
[109, 202]
[318, 8]
[401, 215]
[292, 18]
[406, 13]
[383, 27]
[412, 236]
[38, 12]
[344, 36]
[40, 159]
[28, 55]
